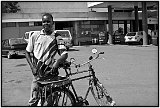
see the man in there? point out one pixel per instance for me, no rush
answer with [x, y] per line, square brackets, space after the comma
[43, 46]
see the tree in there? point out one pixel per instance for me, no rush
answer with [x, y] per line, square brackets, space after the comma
[10, 7]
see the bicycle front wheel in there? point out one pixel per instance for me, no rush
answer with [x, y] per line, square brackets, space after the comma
[101, 96]
[61, 97]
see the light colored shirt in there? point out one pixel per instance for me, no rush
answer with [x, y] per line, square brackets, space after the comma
[45, 47]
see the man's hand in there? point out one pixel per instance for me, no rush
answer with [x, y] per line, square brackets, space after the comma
[33, 67]
[53, 71]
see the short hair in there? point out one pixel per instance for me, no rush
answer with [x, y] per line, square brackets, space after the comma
[48, 14]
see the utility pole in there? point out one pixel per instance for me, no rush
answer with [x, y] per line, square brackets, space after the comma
[110, 25]
[144, 23]
[136, 18]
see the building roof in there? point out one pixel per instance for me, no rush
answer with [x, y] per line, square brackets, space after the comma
[124, 4]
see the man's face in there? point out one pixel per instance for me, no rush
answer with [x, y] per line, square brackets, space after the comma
[47, 23]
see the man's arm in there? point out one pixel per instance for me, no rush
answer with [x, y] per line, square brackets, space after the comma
[61, 59]
[32, 66]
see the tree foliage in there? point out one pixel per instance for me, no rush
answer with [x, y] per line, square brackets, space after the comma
[10, 7]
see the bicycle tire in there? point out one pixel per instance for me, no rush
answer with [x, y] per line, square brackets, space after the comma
[101, 96]
[60, 97]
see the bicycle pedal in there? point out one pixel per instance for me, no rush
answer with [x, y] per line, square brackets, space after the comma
[80, 98]
[113, 103]
[86, 102]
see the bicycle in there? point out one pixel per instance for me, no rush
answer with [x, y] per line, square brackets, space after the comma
[57, 91]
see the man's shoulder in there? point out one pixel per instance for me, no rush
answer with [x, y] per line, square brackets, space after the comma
[36, 33]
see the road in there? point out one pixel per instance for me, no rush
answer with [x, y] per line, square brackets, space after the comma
[129, 73]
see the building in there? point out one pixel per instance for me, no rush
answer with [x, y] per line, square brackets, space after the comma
[85, 22]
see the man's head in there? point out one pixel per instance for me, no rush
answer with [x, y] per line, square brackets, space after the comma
[47, 22]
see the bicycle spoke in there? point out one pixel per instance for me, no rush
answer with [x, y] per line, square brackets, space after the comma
[62, 98]
[101, 96]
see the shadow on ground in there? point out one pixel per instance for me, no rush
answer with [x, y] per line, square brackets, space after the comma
[73, 49]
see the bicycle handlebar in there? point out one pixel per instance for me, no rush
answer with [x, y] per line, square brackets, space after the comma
[90, 59]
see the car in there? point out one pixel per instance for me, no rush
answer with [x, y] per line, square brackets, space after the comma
[66, 36]
[13, 46]
[27, 35]
[134, 37]
[102, 38]
[118, 38]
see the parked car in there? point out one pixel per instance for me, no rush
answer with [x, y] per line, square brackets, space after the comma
[134, 37]
[66, 36]
[14, 46]
[102, 38]
[118, 38]
[29, 34]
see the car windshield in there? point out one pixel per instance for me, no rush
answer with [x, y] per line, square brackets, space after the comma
[131, 34]
[16, 41]
[64, 34]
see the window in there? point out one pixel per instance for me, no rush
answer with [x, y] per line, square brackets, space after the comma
[128, 28]
[121, 22]
[115, 27]
[85, 22]
[11, 24]
[97, 22]
[23, 24]
[37, 23]
[85, 26]
[115, 22]
[4, 25]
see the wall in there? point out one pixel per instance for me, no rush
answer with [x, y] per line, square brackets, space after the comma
[17, 32]
[41, 7]
[10, 32]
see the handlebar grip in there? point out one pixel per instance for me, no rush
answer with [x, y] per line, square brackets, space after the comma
[90, 58]
[101, 53]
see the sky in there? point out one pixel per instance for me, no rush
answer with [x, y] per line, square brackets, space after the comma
[93, 3]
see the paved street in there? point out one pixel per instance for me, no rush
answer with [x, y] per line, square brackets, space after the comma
[129, 73]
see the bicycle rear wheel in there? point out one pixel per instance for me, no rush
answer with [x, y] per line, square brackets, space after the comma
[101, 96]
[61, 97]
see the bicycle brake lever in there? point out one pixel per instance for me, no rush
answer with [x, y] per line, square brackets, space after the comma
[90, 58]
[101, 53]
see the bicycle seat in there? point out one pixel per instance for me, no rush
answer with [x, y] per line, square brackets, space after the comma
[56, 81]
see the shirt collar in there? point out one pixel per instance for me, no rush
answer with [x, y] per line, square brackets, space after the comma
[42, 32]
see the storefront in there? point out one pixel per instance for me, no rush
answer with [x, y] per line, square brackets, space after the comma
[85, 26]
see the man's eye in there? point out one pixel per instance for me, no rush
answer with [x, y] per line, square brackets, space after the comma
[46, 21]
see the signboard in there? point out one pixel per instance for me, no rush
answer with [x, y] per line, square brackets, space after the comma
[152, 21]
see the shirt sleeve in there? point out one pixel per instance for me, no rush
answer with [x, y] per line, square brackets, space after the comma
[29, 47]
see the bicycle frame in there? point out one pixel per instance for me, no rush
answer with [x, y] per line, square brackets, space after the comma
[91, 76]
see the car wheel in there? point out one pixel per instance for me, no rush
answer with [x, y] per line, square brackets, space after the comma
[15, 55]
[128, 43]
[9, 56]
